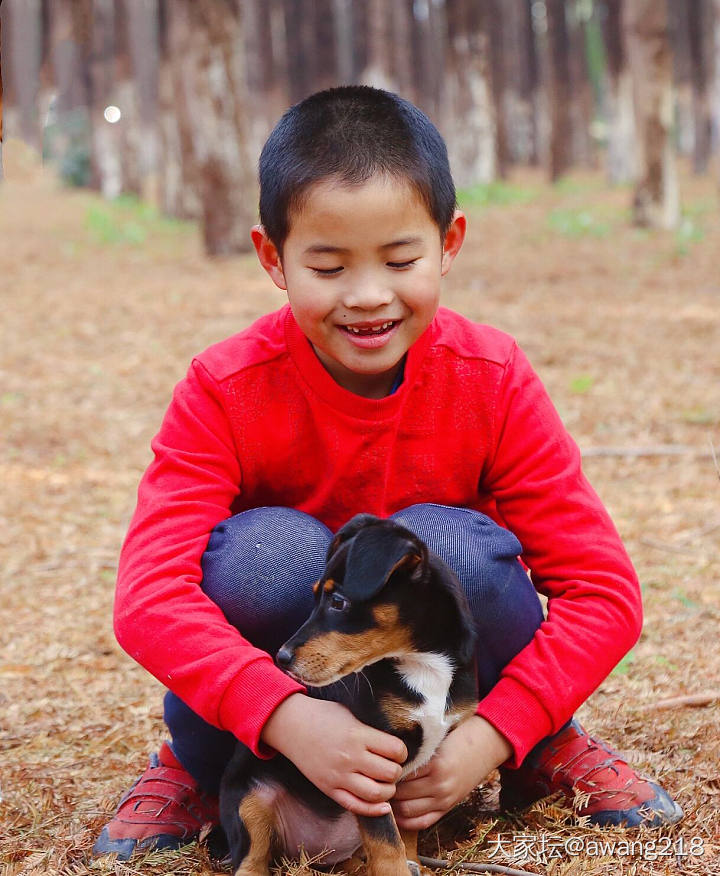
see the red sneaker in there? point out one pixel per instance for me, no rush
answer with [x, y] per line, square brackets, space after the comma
[573, 761]
[164, 809]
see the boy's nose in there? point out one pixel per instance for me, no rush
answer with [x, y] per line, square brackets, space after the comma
[368, 296]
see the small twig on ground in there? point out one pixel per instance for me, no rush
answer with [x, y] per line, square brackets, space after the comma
[664, 546]
[682, 545]
[698, 699]
[438, 864]
[657, 450]
[715, 459]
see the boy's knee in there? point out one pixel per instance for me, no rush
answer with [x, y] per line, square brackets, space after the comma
[264, 527]
[263, 555]
[482, 554]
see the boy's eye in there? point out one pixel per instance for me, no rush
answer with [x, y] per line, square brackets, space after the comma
[326, 272]
[338, 603]
[401, 264]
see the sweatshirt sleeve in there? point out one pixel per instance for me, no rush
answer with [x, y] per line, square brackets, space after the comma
[162, 617]
[575, 557]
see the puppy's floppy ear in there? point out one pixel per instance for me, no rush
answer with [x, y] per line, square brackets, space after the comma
[374, 554]
[351, 528]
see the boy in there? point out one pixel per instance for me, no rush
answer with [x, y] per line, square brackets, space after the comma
[363, 395]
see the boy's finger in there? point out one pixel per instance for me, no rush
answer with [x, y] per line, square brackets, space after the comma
[419, 773]
[369, 790]
[414, 808]
[358, 806]
[381, 768]
[415, 789]
[421, 822]
[388, 746]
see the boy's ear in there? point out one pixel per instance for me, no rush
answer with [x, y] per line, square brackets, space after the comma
[453, 241]
[269, 256]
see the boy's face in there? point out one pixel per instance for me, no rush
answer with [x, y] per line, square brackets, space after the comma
[362, 267]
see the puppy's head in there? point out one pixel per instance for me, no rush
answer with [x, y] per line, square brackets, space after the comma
[373, 570]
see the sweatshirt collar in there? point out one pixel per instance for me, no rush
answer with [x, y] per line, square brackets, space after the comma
[322, 384]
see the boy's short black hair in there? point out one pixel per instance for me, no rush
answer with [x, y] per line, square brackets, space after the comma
[352, 132]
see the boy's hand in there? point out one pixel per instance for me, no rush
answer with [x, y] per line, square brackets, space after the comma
[355, 765]
[462, 761]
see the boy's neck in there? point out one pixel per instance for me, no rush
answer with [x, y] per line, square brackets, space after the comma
[373, 386]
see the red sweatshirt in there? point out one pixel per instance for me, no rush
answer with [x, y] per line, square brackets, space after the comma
[258, 421]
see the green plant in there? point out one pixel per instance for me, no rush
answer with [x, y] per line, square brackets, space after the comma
[577, 223]
[581, 384]
[497, 193]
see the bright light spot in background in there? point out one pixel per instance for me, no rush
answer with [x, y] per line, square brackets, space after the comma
[112, 114]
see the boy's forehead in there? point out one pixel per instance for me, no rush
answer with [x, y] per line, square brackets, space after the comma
[392, 205]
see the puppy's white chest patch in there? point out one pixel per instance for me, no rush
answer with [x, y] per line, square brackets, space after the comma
[429, 675]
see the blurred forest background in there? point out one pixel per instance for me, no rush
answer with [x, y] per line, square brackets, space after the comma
[575, 127]
[171, 100]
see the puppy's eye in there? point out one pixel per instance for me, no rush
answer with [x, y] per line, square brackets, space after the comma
[338, 603]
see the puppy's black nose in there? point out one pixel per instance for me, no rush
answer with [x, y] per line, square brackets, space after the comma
[284, 657]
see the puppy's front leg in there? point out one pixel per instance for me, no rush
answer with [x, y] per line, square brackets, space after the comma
[410, 841]
[384, 848]
[258, 819]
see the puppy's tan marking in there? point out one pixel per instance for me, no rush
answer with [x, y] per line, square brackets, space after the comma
[383, 856]
[329, 656]
[410, 841]
[398, 712]
[316, 586]
[386, 615]
[259, 820]
[329, 585]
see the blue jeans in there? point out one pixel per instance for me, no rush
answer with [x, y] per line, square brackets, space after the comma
[259, 567]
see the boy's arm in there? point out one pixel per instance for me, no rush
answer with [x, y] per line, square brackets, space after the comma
[575, 556]
[162, 617]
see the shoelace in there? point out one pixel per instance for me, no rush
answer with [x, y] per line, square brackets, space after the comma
[139, 796]
[592, 747]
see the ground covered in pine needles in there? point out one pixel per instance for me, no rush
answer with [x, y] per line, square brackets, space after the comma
[103, 306]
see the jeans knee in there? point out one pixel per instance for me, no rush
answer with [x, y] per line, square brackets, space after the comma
[261, 563]
[482, 554]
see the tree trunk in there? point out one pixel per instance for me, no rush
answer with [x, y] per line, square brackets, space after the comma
[68, 138]
[470, 110]
[143, 45]
[700, 39]
[621, 155]
[422, 55]
[401, 56]
[300, 50]
[378, 70]
[495, 25]
[559, 90]
[107, 145]
[266, 68]
[521, 84]
[716, 102]
[684, 117]
[342, 16]
[125, 96]
[655, 202]
[359, 15]
[582, 106]
[1, 106]
[324, 47]
[25, 32]
[207, 55]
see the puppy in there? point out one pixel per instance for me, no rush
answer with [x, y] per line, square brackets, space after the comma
[390, 637]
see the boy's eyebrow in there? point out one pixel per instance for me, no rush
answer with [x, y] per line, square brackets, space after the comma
[322, 248]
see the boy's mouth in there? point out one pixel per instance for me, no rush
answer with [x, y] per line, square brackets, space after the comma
[365, 329]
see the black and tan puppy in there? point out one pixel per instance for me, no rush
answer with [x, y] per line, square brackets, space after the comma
[390, 637]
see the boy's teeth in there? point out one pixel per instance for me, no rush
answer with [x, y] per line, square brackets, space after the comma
[380, 328]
